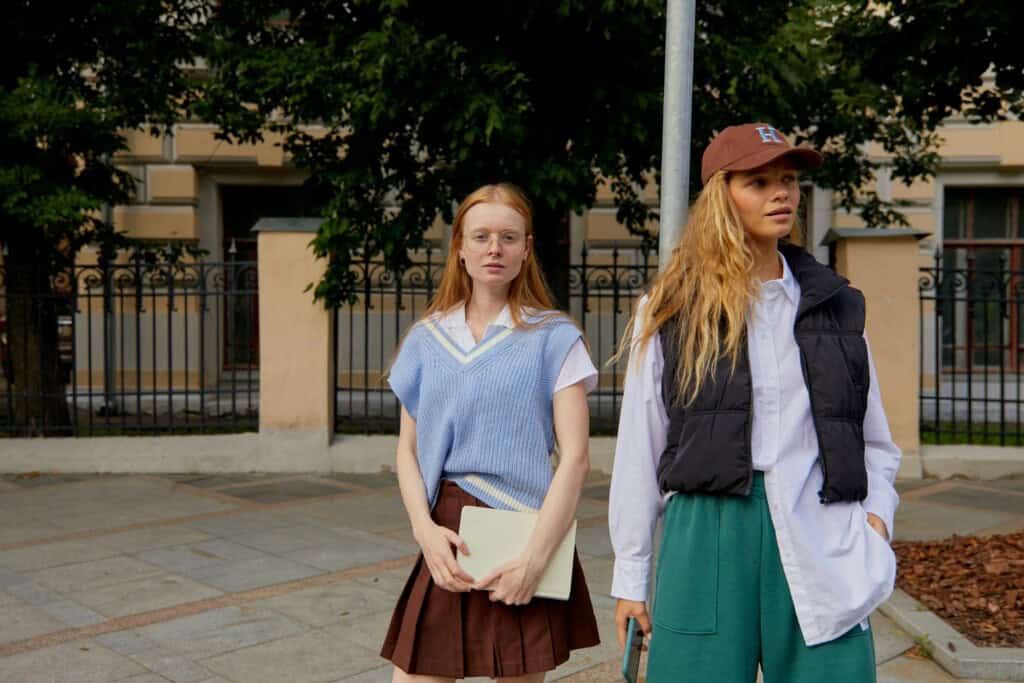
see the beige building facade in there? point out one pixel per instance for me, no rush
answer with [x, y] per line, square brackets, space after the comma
[197, 189]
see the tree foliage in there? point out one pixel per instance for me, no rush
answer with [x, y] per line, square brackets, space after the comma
[424, 101]
[83, 75]
[419, 102]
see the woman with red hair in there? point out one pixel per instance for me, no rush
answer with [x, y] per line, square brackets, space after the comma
[489, 379]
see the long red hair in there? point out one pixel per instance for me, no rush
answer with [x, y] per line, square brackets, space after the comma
[528, 289]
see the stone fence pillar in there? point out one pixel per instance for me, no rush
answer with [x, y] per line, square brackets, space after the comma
[296, 335]
[884, 264]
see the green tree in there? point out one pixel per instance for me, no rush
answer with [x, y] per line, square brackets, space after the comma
[424, 101]
[82, 75]
[894, 71]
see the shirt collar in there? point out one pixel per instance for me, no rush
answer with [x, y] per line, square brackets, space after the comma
[456, 318]
[787, 283]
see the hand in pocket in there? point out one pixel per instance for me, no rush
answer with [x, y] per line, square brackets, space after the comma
[878, 525]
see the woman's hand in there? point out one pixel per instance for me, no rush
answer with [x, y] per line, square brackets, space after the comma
[878, 525]
[514, 582]
[626, 609]
[436, 542]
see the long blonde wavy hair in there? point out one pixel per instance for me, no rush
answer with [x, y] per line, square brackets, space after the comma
[528, 289]
[709, 283]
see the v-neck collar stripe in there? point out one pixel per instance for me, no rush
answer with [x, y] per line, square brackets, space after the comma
[478, 350]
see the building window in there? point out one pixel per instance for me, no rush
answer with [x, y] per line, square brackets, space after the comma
[983, 264]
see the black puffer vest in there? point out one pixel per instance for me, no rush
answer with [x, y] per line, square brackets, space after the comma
[708, 449]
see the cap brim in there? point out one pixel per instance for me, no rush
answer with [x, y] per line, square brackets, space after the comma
[804, 158]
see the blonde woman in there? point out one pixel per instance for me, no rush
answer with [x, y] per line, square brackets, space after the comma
[752, 421]
[488, 379]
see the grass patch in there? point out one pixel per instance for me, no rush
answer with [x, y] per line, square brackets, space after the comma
[948, 433]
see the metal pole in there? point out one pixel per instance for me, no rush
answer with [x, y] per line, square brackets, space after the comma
[676, 120]
[110, 405]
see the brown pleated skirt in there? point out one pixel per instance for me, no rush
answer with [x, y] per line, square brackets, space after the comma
[457, 635]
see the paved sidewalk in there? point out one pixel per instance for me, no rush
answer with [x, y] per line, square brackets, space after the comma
[251, 578]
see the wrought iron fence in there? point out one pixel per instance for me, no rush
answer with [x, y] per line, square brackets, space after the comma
[603, 287]
[972, 351]
[131, 348]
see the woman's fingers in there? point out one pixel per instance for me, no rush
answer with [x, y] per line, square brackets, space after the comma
[625, 609]
[456, 540]
[494, 575]
[458, 572]
[644, 620]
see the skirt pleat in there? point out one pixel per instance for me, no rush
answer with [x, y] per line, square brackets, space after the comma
[458, 635]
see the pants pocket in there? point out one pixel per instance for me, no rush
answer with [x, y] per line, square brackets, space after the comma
[686, 599]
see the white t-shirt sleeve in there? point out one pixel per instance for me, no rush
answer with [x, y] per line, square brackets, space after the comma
[577, 367]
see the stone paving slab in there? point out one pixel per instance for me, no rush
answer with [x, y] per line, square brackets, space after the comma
[139, 540]
[928, 521]
[248, 574]
[321, 656]
[28, 481]
[54, 555]
[216, 480]
[381, 674]
[220, 630]
[295, 620]
[390, 581]
[978, 498]
[142, 594]
[370, 481]
[286, 539]
[352, 552]
[278, 492]
[1007, 484]
[242, 523]
[79, 662]
[324, 605]
[86, 576]
[72, 613]
[189, 559]
[598, 572]
[890, 640]
[374, 512]
[172, 666]
[34, 593]
[594, 541]
[22, 620]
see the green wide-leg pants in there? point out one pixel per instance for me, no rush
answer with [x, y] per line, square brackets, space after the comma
[723, 606]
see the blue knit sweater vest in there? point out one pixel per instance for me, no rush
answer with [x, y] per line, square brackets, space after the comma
[484, 418]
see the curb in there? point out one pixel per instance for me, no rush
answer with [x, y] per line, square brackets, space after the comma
[972, 462]
[948, 648]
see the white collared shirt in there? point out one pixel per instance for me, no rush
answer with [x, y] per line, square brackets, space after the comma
[838, 569]
[577, 366]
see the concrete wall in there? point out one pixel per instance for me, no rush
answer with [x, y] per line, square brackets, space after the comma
[307, 452]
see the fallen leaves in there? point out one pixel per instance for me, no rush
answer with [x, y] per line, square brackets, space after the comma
[975, 584]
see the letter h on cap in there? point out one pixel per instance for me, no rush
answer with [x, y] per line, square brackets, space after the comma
[769, 134]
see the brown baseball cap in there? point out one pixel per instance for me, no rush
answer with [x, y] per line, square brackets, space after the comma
[742, 148]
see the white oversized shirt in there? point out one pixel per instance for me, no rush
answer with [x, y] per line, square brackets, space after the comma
[837, 567]
[577, 366]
